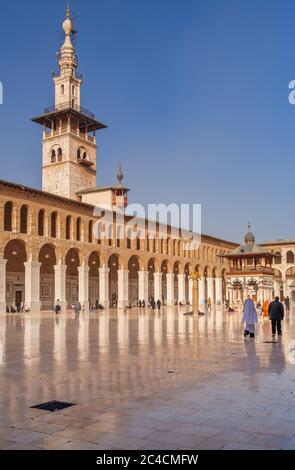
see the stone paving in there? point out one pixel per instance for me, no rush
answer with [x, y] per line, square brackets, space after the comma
[144, 380]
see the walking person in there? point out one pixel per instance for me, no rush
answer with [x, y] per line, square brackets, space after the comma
[249, 317]
[159, 305]
[287, 304]
[77, 307]
[57, 307]
[276, 314]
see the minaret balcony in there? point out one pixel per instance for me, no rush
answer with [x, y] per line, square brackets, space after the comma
[69, 106]
[85, 162]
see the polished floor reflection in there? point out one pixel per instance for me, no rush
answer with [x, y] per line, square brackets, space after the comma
[145, 380]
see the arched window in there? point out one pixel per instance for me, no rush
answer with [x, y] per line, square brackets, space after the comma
[129, 235]
[138, 242]
[290, 257]
[118, 237]
[24, 219]
[162, 246]
[54, 224]
[68, 227]
[154, 245]
[53, 156]
[79, 154]
[78, 229]
[41, 217]
[8, 216]
[90, 232]
[59, 155]
[278, 258]
[62, 89]
[73, 90]
[147, 242]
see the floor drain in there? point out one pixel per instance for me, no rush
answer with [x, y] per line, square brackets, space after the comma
[53, 406]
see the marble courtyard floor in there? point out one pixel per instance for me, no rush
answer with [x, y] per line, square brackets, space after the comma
[144, 380]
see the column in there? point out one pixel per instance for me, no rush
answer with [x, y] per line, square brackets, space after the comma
[181, 288]
[104, 286]
[60, 285]
[190, 291]
[123, 288]
[210, 281]
[170, 288]
[32, 285]
[202, 293]
[143, 286]
[3, 263]
[158, 286]
[218, 291]
[84, 286]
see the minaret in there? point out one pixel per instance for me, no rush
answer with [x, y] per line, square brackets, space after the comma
[69, 136]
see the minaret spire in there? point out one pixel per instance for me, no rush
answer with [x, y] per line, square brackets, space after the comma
[68, 14]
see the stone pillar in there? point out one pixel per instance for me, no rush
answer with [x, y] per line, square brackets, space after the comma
[123, 288]
[32, 285]
[190, 291]
[202, 293]
[104, 286]
[158, 286]
[218, 291]
[60, 285]
[84, 286]
[170, 288]
[181, 288]
[210, 281]
[3, 263]
[143, 286]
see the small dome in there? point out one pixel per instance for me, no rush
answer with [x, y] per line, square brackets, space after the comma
[249, 237]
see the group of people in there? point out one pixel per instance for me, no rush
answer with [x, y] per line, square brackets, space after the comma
[276, 312]
[18, 308]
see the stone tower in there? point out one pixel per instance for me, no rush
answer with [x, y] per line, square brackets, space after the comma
[69, 135]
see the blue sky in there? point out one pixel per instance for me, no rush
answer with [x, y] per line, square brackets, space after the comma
[195, 93]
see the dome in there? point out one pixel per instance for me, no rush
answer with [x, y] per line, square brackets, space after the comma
[249, 237]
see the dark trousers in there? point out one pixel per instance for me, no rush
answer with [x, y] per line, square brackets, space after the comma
[276, 325]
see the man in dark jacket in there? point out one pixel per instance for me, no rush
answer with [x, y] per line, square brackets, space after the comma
[276, 314]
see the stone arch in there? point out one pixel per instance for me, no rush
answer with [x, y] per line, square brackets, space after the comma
[151, 269]
[73, 262]
[133, 280]
[47, 258]
[16, 255]
[114, 265]
[94, 265]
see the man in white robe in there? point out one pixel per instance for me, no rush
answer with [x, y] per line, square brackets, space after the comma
[250, 318]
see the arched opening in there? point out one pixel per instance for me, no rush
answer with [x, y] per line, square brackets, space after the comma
[113, 265]
[53, 156]
[47, 259]
[164, 270]
[16, 255]
[78, 229]
[94, 265]
[151, 280]
[54, 225]
[24, 219]
[62, 90]
[187, 274]
[176, 290]
[133, 288]
[90, 232]
[41, 220]
[290, 257]
[278, 258]
[59, 154]
[68, 227]
[72, 277]
[8, 208]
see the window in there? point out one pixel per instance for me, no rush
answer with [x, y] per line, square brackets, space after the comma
[53, 156]
[68, 227]
[41, 216]
[53, 224]
[73, 90]
[78, 230]
[90, 232]
[59, 155]
[62, 89]
[138, 244]
[8, 216]
[290, 257]
[24, 219]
